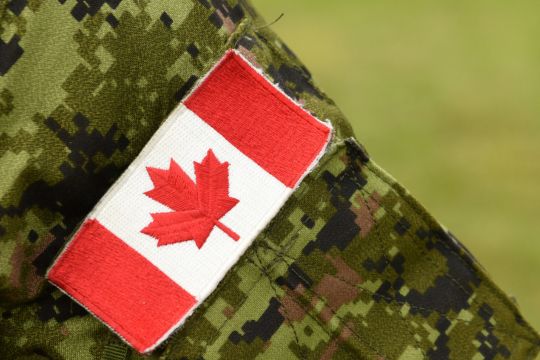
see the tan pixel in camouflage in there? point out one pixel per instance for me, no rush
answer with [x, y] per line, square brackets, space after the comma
[352, 267]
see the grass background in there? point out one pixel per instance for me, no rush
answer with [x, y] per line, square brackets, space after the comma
[446, 97]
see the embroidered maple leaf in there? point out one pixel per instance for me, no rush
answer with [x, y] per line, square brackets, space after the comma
[197, 207]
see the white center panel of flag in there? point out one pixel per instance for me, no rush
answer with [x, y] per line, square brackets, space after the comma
[186, 138]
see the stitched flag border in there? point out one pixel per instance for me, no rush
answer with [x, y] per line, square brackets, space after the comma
[206, 184]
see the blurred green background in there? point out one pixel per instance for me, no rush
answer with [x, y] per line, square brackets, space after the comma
[445, 95]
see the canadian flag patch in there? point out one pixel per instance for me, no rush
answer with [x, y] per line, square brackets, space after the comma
[210, 179]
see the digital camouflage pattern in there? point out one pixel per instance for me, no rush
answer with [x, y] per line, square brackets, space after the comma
[351, 267]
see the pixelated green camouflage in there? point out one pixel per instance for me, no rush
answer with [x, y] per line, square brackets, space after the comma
[352, 267]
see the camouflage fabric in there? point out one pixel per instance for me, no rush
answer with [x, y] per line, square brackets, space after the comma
[351, 267]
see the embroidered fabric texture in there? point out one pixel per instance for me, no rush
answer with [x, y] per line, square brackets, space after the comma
[235, 149]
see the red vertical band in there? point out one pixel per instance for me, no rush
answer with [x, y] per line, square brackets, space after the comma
[120, 286]
[259, 120]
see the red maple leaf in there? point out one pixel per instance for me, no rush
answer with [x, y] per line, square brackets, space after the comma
[197, 206]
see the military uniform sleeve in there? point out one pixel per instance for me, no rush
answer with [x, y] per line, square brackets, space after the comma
[351, 267]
